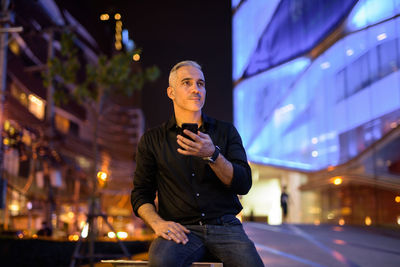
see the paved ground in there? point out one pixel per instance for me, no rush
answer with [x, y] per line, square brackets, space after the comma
[325, 245]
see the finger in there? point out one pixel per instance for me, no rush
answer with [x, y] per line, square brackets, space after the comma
[184, 152]
[191, 134]
[202, 135]
[183, 145]
[183, 228]
[186, 140]
[178, 237]
[188, 147]
[165, 236]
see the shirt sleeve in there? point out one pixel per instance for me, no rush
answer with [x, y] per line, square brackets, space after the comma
[241, 181]
[144, 181]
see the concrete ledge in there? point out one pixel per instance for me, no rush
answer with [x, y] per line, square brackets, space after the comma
[132, 263]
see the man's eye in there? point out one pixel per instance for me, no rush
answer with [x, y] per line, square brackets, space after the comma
[186, 83]
[201, 84]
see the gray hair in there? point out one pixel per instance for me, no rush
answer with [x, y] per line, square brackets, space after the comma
[172, 73]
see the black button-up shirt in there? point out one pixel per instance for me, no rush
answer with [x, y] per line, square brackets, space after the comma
[188, 189]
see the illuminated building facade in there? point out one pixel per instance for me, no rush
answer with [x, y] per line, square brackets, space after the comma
[47, 177]
[317, 102]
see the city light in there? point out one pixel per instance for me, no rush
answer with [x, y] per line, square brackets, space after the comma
[73, 237]
[397, 199]
[102, 175]
[104, 17]
[349, 52]
[85, 231]
[381, 37]
[368, 221]
[118, 35]
[136, 57]
[325, 65]
[122, 235]
[111, 235]
[341, 222]
[339, 242]
[117, 16]
[337, 180]
[398, 220]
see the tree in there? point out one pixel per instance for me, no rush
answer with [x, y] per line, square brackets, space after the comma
[115, 75]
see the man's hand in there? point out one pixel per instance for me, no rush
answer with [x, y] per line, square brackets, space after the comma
[165, 229]
[171, 231]
[201, 146]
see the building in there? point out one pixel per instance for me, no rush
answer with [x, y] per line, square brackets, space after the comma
[317, 102]
[48, 152]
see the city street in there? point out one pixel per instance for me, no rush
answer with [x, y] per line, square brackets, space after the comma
[325, 245]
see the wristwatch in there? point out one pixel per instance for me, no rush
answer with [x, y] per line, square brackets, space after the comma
[214, 156]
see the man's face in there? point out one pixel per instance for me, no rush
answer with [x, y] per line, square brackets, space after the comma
[188, 90]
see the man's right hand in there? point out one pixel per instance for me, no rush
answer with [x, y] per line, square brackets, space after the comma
[171, 231]
[166, 229]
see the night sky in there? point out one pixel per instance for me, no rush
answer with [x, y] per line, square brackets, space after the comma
[168, 32]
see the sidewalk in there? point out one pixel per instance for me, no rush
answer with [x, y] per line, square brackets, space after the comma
[325, 245]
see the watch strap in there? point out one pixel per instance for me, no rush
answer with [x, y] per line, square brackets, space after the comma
[214, 156]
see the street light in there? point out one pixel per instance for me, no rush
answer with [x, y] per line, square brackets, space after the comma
[102, 178]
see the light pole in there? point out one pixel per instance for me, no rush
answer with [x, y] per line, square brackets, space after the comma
[5, 18]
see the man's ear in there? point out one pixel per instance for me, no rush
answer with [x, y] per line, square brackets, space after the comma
[171, 92]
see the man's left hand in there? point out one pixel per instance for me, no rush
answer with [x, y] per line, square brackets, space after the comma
[201, 146]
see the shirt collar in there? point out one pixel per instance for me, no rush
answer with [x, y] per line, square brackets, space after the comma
[207, 121]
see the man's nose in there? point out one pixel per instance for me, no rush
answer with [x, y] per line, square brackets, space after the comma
[195, 88]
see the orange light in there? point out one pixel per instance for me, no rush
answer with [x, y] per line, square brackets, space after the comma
[136, 57]
[117, 16]
[368, 221]
[317, 222]
[339, 242]
[397, 199]
[341, 222]
[337, 180]
[73, 237]
[102, 175]
[104, 17]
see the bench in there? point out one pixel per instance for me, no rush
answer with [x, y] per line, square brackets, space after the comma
[134, 263]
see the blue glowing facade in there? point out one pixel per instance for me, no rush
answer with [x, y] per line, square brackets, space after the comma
[315, 84]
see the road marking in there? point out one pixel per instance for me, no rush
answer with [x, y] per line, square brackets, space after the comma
[335, 254]
[287, 255]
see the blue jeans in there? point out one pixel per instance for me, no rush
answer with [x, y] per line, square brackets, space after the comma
[227, 243]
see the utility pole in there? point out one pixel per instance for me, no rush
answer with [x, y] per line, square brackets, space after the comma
[5, 18]
[3, 73]
[50, 133]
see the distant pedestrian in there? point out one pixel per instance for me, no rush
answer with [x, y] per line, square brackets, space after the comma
[284, 204]
[45, 230]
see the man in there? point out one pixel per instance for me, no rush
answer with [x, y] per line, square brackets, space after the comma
[284, 204]
[197, 180]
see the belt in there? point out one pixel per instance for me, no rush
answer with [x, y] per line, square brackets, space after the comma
[216, 221]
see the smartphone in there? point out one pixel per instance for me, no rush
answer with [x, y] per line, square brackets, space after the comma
[191, 127]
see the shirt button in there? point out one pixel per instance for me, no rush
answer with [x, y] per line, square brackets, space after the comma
[202, 215]
[197, 194]
[192, 174]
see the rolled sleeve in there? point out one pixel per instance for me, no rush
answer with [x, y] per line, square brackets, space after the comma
[241, 181]
[144, 184]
